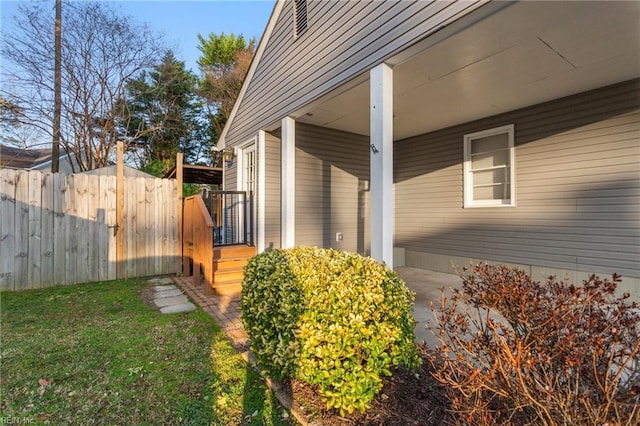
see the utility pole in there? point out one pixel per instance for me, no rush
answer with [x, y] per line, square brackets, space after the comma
[57, 89]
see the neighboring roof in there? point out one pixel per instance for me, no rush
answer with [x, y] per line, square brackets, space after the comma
[40, 159]
[198, 174]
[254, 64]
[111, 171]
[23, 158]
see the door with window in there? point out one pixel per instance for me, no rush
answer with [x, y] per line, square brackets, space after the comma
[248, 185]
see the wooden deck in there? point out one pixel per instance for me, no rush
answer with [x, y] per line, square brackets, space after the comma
[219, 266]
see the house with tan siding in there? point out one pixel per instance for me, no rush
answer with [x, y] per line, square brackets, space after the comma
[434, 133]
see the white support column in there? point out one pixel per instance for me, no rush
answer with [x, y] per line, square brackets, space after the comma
[381, 153]
[288, 186]
[261, 151]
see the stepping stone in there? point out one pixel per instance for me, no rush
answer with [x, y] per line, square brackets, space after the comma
[161, 302]
[167, 293]
[161, 280]
[164, 287]
[182, 307]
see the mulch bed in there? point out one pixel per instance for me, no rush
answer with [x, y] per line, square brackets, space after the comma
[407, 398]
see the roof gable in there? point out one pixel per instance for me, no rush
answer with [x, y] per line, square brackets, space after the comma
[266, 36]
[342, 42]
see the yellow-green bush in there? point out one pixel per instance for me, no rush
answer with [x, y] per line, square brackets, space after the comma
[333, 319]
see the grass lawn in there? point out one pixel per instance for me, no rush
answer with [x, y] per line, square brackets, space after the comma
[95, 354]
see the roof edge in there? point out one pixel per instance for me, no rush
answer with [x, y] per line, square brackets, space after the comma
[275, 14]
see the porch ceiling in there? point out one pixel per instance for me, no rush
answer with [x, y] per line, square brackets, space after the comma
[524, 54]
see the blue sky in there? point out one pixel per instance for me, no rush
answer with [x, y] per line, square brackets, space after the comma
[181, 21]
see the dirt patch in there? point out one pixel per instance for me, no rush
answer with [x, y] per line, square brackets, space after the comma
[407, 398]
[146, 294]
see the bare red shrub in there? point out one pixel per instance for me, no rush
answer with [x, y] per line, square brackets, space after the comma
[515, 351]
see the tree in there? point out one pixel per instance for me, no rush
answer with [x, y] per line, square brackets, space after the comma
[224, 63]
[12, 128]
[100, 51]
[163, 115]
[10, 113]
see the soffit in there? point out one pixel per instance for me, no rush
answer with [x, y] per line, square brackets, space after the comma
[524, 54]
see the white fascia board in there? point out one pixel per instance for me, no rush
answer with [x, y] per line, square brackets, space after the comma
[275, 14]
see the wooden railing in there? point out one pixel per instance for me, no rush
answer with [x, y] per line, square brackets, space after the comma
[198, 239]
[232, 215]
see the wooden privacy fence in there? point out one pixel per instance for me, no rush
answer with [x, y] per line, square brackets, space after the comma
[61, 229]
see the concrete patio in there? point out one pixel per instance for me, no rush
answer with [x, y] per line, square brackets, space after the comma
[426, 285]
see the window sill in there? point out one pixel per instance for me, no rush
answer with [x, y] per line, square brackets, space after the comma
[488, 206]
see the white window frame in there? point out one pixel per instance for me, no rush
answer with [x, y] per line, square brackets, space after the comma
[468, 174]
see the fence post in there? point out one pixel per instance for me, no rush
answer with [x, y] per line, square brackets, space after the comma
[179, 258]
[120, 230]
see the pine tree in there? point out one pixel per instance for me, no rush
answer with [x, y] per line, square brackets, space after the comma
[224, 63]
[163, 115]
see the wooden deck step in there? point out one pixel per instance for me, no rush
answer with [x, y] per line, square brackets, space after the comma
[234, 252]
[228, 264]
[228, 277]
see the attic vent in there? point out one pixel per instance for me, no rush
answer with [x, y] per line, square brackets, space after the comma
[300, 17]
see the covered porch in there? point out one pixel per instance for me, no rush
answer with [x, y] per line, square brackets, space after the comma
[497, 60]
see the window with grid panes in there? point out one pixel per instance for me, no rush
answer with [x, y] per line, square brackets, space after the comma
[489, 174]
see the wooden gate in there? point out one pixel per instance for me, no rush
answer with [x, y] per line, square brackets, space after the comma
[61, 229]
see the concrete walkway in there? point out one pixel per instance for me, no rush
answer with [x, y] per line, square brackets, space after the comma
[427, 285]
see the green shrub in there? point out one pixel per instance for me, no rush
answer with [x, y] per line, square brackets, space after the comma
[333, 319]
[515, 351]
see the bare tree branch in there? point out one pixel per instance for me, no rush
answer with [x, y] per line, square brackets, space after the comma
[101, 50]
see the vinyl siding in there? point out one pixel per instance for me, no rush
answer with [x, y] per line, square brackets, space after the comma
[332, 174]
[577, 188]
[230, 176]
[272, 189]
[343, 40]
